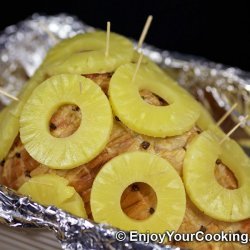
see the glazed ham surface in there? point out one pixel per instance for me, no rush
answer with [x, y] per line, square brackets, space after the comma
[137, 201]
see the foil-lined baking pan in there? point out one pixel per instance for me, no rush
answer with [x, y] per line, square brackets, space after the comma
[22, 49]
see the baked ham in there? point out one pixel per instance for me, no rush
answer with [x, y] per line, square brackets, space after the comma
[138, 202]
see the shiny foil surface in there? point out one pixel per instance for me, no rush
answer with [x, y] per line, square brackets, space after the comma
[22, 49]
[72, 232]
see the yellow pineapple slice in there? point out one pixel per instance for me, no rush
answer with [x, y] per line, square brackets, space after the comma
[9, 126]
[158, 121]
[127, 169]
[9, 120]
[200, 182]
[50, 189]
[2, 113]
[85, 54]
[87, 141]
[30, 85]
[152, 65]
[205, 120]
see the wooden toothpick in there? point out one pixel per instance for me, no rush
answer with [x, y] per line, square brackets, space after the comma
[8, 95]
[224, 117]
[233, 129]
[144, 32]
[107, 39]
[139, 45]
[137, 67]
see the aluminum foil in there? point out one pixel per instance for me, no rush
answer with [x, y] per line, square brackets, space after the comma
[24, 46]
[22, 49]
[72, 232]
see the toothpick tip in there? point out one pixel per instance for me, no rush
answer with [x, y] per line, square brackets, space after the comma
[8, 95]
[107, 39]
[224, 117]
[243, 120]
[144, 31]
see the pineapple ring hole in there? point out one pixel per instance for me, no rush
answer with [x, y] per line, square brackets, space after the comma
[224, 176]
[65, 121]
[139, 201]
[152, 98]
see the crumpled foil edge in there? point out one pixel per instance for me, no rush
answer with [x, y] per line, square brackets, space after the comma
[72, 232]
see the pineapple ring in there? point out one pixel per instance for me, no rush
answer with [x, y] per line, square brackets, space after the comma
[129, 168]
[201, 184]
[85, 54]
[87, 141]
[158, 121]
[205, 120]
[2, 113]
[9, 126]
[9, 120]
[50, 189]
